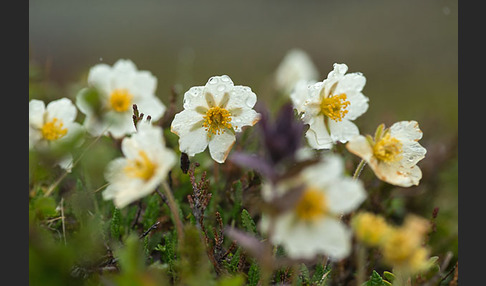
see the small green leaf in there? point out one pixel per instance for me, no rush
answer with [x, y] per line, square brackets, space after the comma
[115, 224]
[375, 280]
[388, 276]
[253, 274]
[248, 222]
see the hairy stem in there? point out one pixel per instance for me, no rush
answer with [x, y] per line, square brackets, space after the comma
[359, 168]
[174, 210]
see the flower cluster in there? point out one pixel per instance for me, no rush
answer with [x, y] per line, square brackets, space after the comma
[308, 203]
[402, 246]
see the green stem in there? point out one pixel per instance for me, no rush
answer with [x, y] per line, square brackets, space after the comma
[359, 168]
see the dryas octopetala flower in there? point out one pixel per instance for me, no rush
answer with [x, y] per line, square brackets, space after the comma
[294, 67]
[118, 88]
[211, 116]
[370, 228]
[312, 225]
[403, 247]
[330, 106]
[393, 153]
[52, 125]
[145, 164]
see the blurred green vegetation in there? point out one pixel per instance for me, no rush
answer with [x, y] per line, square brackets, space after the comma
[407, 51]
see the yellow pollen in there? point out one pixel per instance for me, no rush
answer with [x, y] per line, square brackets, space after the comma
[335, 107]
[120, 100]
[53, 130]
[216, 120]
[388, 149]
[312, 205]
[140, 167]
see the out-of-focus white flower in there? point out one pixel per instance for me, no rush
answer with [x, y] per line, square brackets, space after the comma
[393, 153]
[145, 164]
[53, 125]
[211, 116]
[118, 88]
[313, 225]
[295, 66]
[330, 106]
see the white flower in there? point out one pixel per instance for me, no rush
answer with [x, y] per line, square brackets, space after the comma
[211, 116]
[331, 105]
[53, 125]
[145, 164]
[295, 66]
[393, 153]
[119, 87]
[299, 94]
[313, 225]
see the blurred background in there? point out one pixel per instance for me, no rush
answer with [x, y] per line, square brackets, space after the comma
[407, 50]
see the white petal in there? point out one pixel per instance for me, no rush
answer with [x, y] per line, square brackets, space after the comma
[359, 146]
[36, 113]
[192, 138]
[241, 97]
[358, 105]
[302, 240]
[62, 109]
[144, 84]
[343, 130]
[100, 77]
[334, 239]
[317, 135]
[351, 83]
[194, 98]
[220, 146]
[246, 117]
[412, 152]
[218, 86]
[151, 106]
[345, 195]
[34, 137]
[119, 124]
[406, 130]
[123, 74]
[83, 105]
[300, 94]
[337, 73]
[325, 172]
[397, 175]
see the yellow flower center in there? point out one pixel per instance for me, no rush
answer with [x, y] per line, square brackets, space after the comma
[140, 167]
[216, 120]
[388, 149]
[120, 100]
[53, 130]
[335, 107]
[398, 247]
[370, 228]
[312, 205]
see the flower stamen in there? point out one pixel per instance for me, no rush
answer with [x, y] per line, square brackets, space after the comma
[216, 120]
[53, 130]
[335, 106]
[312, 205]
[120, 100]
[140, 167]
[388, 149]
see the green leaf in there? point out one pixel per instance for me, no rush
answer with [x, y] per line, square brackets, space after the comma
[253, 274]
[248, 222]
[45, 207]
[375, 280]
[115, 224]
[388, 276]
